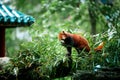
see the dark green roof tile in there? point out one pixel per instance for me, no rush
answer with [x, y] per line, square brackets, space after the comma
[11, 17]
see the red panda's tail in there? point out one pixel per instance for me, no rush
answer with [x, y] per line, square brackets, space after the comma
[99, 47]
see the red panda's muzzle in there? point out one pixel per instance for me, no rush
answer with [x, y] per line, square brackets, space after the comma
[62, 41]
[68, 42]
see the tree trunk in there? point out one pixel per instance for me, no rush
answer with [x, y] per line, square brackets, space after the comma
[92, 21]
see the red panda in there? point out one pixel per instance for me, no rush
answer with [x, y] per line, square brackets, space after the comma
[70, 40]
[73, 40]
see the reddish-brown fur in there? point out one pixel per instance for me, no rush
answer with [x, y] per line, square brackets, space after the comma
[99, 47]
[79, 42]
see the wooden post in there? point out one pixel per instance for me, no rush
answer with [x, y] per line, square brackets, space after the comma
[2, 42]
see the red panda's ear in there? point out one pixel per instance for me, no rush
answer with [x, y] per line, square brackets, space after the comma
[63, 32]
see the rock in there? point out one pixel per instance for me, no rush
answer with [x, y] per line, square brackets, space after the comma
[4, 61]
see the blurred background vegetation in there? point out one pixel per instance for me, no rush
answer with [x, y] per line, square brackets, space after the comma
[97, 20]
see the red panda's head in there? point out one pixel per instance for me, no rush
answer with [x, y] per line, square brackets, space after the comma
[65, 39]
[62, 35]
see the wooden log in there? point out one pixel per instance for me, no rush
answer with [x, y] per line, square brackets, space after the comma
[99, 75]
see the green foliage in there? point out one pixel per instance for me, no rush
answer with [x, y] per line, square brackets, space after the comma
[42, 57]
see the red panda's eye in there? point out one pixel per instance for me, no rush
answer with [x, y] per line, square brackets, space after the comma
[63, 37]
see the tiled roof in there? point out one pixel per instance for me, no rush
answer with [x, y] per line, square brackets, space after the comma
[13, 18]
